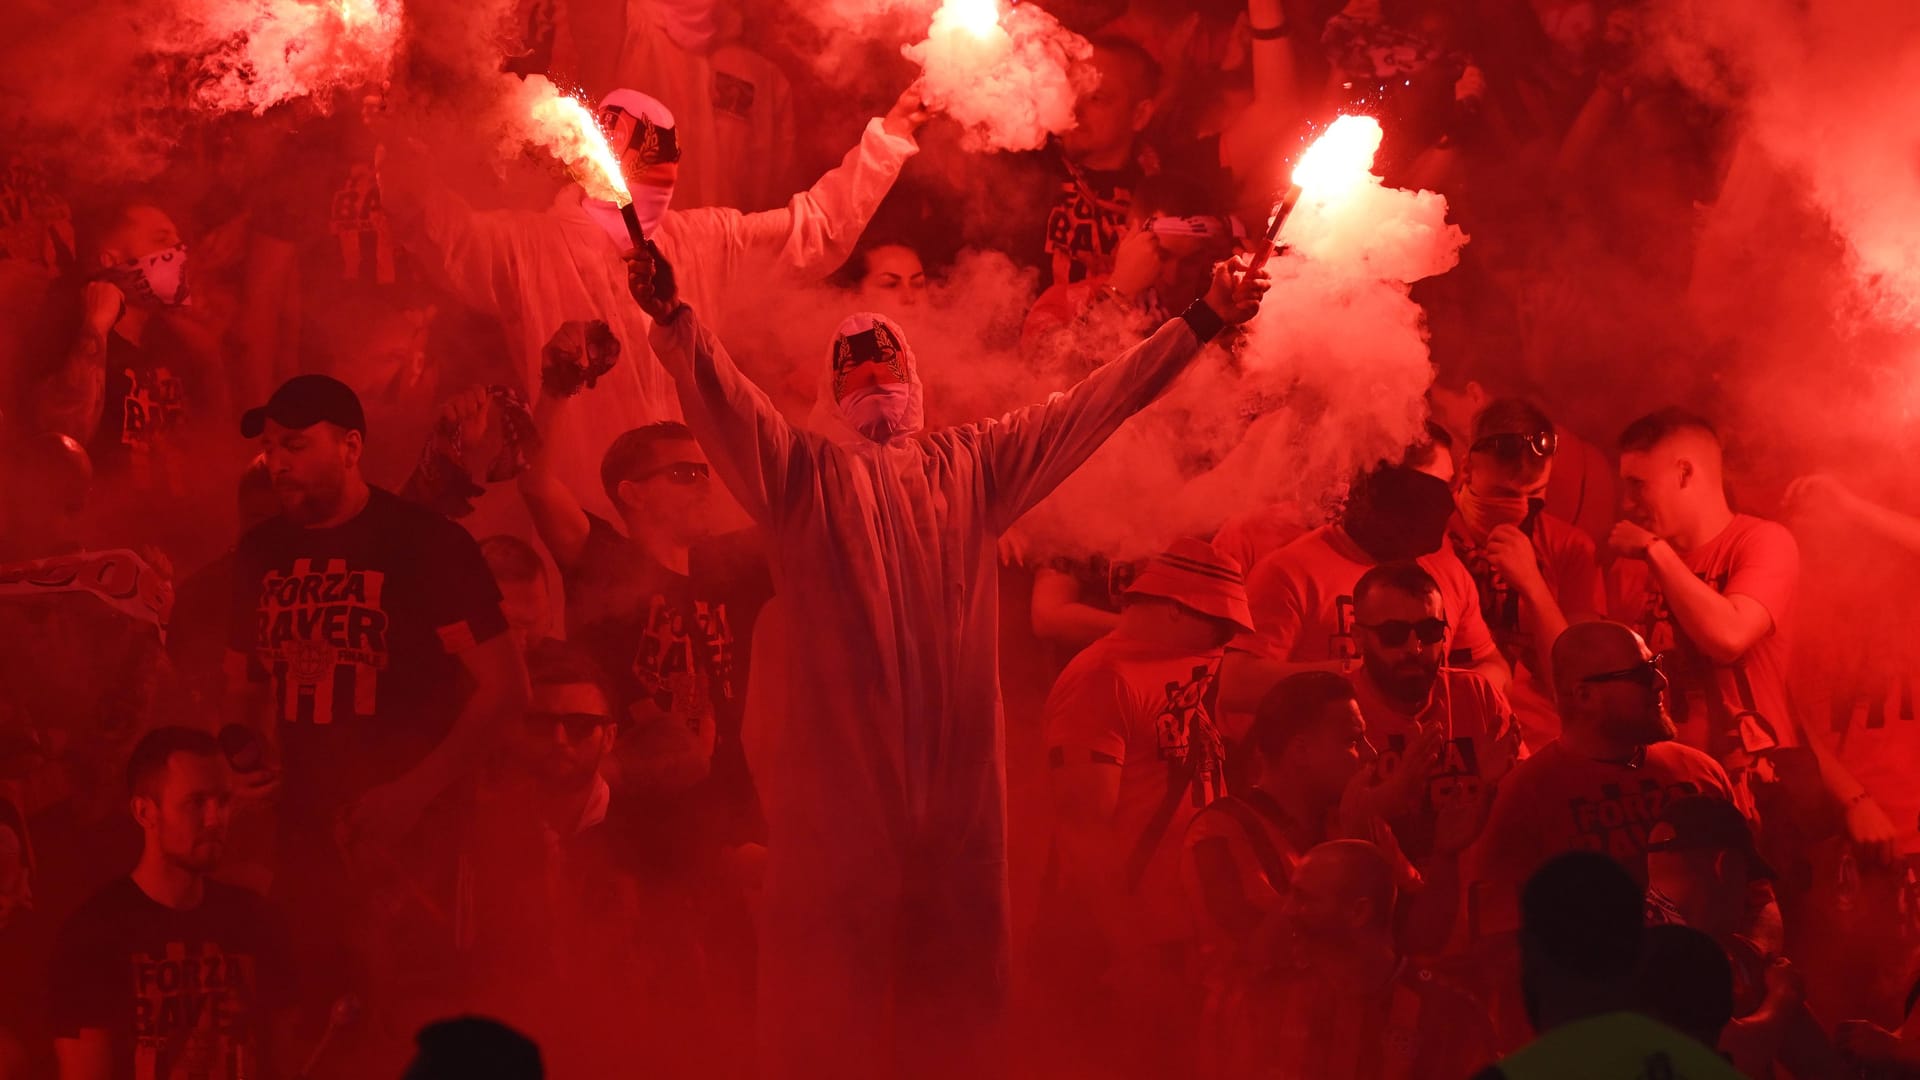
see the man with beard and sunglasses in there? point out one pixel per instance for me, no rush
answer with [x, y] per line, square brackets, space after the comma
[369, 649]
[1405, 689]
[1535, 572]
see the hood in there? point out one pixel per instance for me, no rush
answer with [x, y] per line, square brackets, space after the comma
[827, 419]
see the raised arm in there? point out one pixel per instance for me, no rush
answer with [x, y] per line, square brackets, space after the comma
[475, 248]
[70, 398]
[749, 441]
[1028, 453]
[815, 232]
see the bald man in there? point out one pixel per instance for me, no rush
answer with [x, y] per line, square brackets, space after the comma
[1602, 785]
[1340, 1001]
[1712, 591]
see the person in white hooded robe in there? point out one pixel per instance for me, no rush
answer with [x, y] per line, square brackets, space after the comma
[540, 269]
[874, 725]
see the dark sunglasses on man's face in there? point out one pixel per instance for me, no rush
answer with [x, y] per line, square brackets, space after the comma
[1394, 633]
[681, 473]
[578, 725]
[1646, 673]
[1514, 446]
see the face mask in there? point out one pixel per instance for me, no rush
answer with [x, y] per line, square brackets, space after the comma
[1397, 513]
[649, 206]
[689, 23]
[158, 280]
[879, 412]
[1482, 513]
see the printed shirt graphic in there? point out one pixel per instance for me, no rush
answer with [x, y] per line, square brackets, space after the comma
[1302, 600]
[1732, 711]
[182, 995]
[1484, 746]
[667, 640]
[145, 405]
[355, 631]
[1559, 800]
[1084, 222]
[1152, 712]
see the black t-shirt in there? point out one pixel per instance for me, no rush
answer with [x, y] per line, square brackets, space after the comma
[356, 630]
[144, 408]
[674, 645]
[179, 993]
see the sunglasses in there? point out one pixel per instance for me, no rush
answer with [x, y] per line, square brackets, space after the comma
[1394, 633]
[1512, 446]
[1647, 674]
[681, 473]
[578, 725]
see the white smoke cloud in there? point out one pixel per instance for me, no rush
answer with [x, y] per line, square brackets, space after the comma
[1331, 378]
[1010, 79]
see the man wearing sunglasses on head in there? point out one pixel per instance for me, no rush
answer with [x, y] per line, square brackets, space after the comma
[1535, 572]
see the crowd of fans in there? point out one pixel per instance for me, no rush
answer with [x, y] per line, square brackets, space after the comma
[516, 654]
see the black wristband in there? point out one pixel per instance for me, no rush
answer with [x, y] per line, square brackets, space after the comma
[1203, 321]
[1269, 33]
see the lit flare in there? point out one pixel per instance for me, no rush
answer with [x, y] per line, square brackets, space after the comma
[569, 130]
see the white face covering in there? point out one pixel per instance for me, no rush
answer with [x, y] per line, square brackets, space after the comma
[649, 206]
[650, 201]
[880, 412]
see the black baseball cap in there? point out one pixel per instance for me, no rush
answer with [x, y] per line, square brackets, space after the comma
[306, 400]
[1704, 823]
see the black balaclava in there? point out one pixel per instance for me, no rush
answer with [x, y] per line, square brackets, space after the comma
[1397, 512]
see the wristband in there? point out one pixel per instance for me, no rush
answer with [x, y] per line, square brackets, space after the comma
[1203, 321]
[1269, 33]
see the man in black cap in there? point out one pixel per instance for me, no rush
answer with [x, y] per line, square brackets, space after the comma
[368, 645]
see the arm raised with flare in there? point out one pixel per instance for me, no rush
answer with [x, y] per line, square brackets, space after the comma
[815, 232]
[1026, 454]
[476, 248]
[751, 444]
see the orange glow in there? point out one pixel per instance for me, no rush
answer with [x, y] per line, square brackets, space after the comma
[568, 128]
[1339, 160]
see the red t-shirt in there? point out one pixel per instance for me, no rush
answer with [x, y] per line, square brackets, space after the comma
[1152, 712]
[1567, 562]
[1560, 800]
[1485, 743]
[1254, 535]
[1418, 1025]
[1302, 600]
[1722, 707]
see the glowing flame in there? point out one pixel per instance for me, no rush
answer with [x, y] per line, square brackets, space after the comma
[981, 18]
[259, 53]
[567, 128]
[1339, 160]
